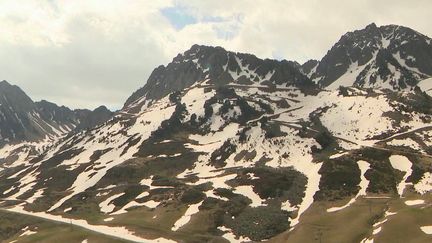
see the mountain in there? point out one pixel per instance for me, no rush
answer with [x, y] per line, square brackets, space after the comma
[22, 119]
[309, 67]
[89, 119]
[390, 56]
[219, 67]
[220, 146]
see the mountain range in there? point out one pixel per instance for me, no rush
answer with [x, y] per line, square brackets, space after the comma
[220, 146]
[22, 119]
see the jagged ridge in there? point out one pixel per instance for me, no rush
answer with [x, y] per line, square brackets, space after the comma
[390, 56]
[22, 119]
[219, 67]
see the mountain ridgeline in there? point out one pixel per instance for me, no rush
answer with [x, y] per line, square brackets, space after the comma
[391, 56]
[22, 119]
[220, 67]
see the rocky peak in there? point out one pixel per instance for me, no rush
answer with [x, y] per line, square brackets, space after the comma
[309, 67]
[4, 83]
[409, 57]
[21, 119]
[12, 97]
[217, 67]
[16, 113]
[89, 119]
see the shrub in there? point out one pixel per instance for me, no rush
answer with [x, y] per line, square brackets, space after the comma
[259, 223]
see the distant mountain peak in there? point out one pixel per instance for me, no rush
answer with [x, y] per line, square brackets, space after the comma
[358, 59]
[22, 119]
[309, 67]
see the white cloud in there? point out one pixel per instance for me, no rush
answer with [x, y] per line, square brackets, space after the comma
[300, 30]
[90, 52]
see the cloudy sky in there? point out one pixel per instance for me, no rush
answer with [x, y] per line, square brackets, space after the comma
[84, 53]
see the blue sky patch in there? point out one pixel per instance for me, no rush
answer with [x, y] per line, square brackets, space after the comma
[178, 17]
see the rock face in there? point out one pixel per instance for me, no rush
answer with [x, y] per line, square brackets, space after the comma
[389, 56]
[89, 119]
[309, 67]
[220, 67]
[22, 119]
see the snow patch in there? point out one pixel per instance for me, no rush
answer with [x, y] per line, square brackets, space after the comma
[425, 184]
[427, 229]
[403, 164]
[193, 209]
[231, 237]
[414, 202]
[248, 192]
[106, 206]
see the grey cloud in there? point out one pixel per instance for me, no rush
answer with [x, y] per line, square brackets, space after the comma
[89, 71]
[104, 65]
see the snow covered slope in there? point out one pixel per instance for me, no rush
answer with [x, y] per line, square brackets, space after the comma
[268, 151]
[426, 86]
[390, 56]
[221, 146]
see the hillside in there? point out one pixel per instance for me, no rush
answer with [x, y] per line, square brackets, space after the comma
[22, 119]
[220, 146]
[391, 56]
